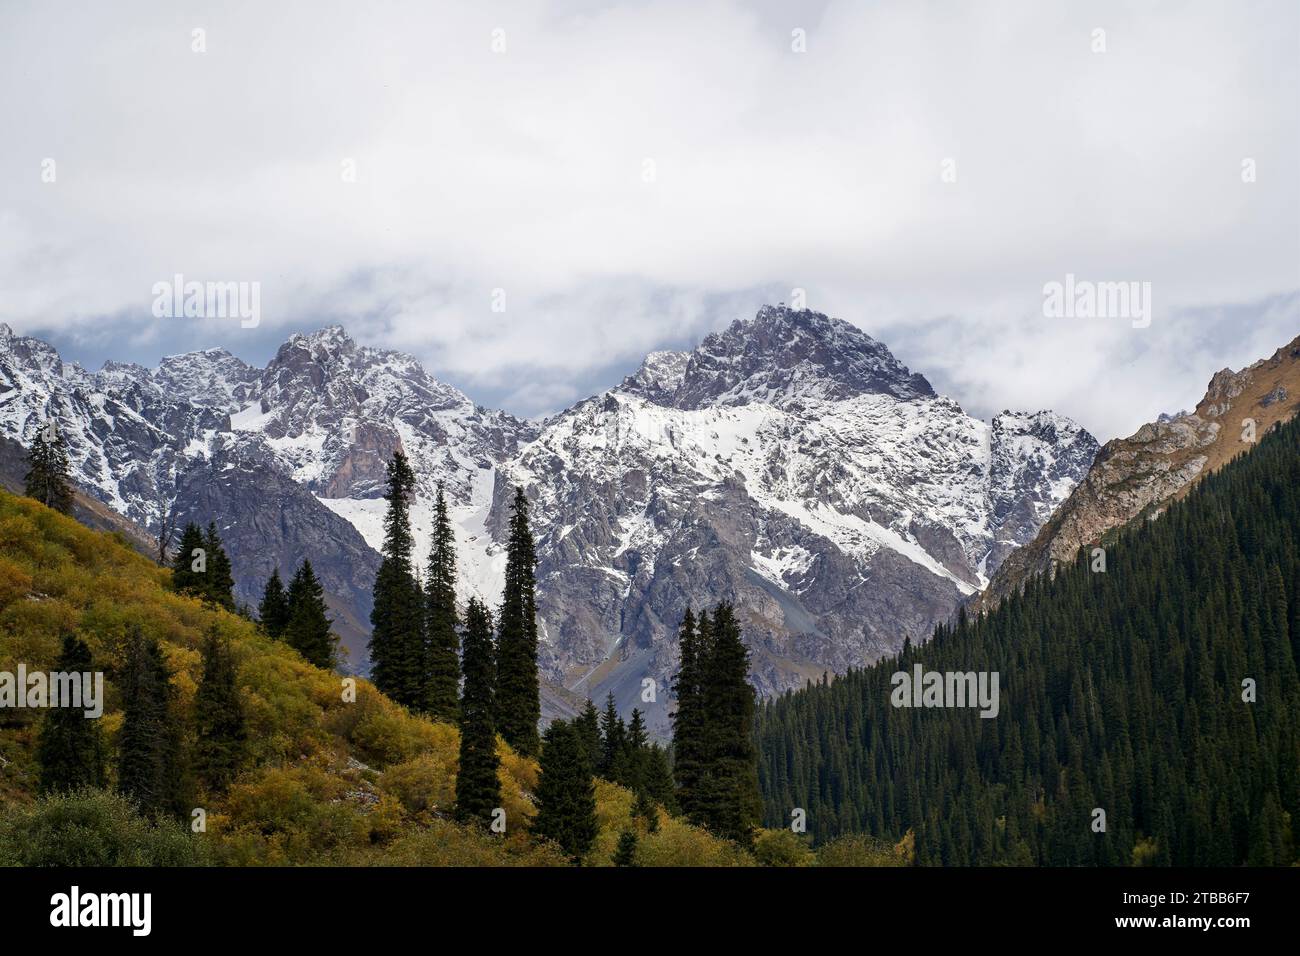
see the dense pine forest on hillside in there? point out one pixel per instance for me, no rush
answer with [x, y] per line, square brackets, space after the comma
[1162, 691]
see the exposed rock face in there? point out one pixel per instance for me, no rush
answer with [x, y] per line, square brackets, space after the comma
[789, 464]
[1140, 475]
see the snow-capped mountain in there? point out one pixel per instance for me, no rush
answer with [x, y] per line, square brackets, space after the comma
[792, 465]
[789, 464]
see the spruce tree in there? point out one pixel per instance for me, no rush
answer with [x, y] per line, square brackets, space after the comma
[613, 736]
[636, 749]
[659, 778]
[644, 808]
[48, 478]
[625, 852]
[148, 742]
[689, 757]
[518, 701]
[588, 724]
[273, 611]
[219, 717]
[732, 804]
[478, 791]
[308, 631]
[220, 588]
[443, 691]
[566, 794]
[71, 748]
[190, 563]
[398, 656]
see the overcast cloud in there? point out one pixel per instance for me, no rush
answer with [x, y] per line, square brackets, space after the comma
[526, 171]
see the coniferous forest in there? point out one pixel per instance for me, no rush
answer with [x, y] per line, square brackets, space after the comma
[1161, 691]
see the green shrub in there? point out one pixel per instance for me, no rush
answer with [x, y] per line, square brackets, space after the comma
[93, 828]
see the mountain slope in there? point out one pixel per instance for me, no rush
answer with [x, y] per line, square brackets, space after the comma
[1142, 474]
[1163, 692]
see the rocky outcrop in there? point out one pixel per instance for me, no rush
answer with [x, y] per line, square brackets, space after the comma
[1137, 477]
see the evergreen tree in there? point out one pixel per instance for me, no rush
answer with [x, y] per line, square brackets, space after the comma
[644, 808]
[625, 853]
[566, 795]
[219, 717]
[731, 803]
[220, 581]
[636, 751]
[689, 756]
[659, 778]
[613, 736]
[588, 724]
[308, 631]
[478, 791]
[398, 655]
[148, 742]
[518, 701]
[273, 611]
[443, 690]
[71, 748]
[48, 479]
[190, 563]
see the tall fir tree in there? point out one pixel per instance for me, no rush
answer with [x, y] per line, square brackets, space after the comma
[566, 794]
[71, 749]
[588, 724]
[518, 699]
[273, 611]
[308, 630]
[149, 769]
[220, 727]
[613, 738]
[48, 479]
[732, 801]
[398, 656]
[190, 562]
[478, 790]
[636, 751]
[625, 852]
[689, 756]
[659, 778]
[443, 691]
[220, 589]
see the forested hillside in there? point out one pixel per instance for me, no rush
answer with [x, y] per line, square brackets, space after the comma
[1162, 691]
[321, 778]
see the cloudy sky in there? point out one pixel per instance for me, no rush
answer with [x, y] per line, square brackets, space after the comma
[633, 175]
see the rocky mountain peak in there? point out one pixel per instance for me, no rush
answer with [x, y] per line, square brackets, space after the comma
[786, 354]
[659, 376]
[208, 378]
